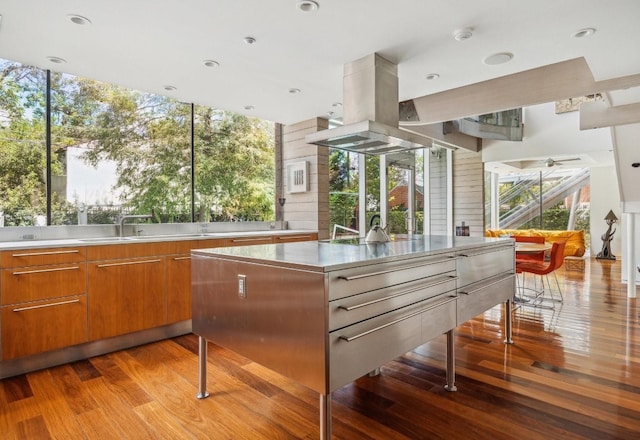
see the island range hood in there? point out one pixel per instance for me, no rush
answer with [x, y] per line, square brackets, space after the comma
[370, 112]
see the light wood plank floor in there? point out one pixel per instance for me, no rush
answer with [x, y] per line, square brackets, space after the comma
[573, 373]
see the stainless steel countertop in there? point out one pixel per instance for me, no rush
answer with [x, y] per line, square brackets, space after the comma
[97, 241]
[326, 256]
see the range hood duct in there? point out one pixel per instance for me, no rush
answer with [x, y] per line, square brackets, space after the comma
[370, 112]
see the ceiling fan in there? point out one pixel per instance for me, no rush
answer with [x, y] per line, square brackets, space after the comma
[552, 162]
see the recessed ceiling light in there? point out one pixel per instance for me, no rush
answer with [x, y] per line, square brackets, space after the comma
[463, 34]
[293, 90]
[586, 32]
[336, 104]
[329, 113]
[211, 63]
[307, 5]
[249, 40]
[57, 60]
[248, 107]
[498, 58]
[170, 88]
[78, 19]
[431, 76]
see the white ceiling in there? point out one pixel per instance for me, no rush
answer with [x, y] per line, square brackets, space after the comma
[148, 44]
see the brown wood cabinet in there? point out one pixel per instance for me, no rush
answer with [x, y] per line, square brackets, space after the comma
[43, 297]
[51, 298]
[126, 296]
[41, 326]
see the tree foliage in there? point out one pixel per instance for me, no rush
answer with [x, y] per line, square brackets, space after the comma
[146, 136]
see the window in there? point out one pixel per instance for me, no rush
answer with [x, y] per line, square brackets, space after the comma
[115, 150]
[23, 192]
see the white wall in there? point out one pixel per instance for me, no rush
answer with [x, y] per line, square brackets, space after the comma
[625, 246]
[604, 197]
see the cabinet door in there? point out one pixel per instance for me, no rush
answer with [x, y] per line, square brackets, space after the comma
[43, 325]
[126, 296]
[178, 288]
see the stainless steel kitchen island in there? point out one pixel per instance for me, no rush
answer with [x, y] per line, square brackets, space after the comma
[326, 313]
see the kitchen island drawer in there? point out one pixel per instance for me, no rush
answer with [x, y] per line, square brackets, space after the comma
[357, 349]
[41, 282]
[438, 317]
[362, 279]
[479, 297]
[477, 265]
[356, 308]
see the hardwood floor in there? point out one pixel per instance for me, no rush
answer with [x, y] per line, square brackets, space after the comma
[573, 373]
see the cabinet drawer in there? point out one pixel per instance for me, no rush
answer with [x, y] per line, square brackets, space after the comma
[38, 257]
[480, 297]
[474, 266]
[360, 348]
[349, 282]
[356, 308]
[42, 326]
[439, 317]
[42, 282]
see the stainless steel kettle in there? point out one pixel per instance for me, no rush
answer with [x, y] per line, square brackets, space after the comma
[377, 233]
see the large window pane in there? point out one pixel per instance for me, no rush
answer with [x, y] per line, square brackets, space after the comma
[117, 151]
[234, 167]
[23, 200]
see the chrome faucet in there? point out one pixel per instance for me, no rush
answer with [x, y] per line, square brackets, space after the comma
[123, 218]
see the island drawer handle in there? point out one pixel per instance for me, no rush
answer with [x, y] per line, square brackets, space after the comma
[37, 254]
[42, 306]
[242, 240]
[57, 269]
[497, 249]
[486, 285]
[404, 292]
[127, 263]
[383, 272]
[395, 321]
[181, 258]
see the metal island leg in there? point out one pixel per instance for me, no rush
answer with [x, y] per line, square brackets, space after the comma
[202, 368]
[508, 321]
[451, 364]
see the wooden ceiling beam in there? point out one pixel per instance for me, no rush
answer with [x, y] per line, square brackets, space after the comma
[563, 80]
[597, 115]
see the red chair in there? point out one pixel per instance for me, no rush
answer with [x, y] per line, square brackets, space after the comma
[537, 257]
[544, 269]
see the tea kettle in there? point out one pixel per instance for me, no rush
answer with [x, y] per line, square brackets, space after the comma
[377, 233]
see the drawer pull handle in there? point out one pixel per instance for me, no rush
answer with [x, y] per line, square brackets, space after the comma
[404, 292]
[37, 254]
[486, 285]
[57, 269]
[504, 248]
[383, 272]
[395, 321]
[42, 306]
[244, 240]
[128, 263]
[292, 237]
[181, 258]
